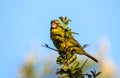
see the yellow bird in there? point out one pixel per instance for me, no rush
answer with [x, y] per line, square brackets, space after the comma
[63, 39]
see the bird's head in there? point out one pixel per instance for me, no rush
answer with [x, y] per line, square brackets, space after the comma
[55, 24]
[56, 28]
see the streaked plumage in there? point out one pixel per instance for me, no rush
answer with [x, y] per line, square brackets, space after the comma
[59, 35]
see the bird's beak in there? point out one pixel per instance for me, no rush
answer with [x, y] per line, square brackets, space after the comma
[54, 25]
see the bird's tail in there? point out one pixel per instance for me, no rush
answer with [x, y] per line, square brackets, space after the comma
[94, 59]
[79, 50]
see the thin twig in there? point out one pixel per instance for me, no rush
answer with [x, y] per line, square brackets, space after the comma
[70, 74]
[83, 64]
[89, 75]
[49, 47]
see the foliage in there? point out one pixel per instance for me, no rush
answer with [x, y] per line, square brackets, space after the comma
[69, 65]
[33, 69]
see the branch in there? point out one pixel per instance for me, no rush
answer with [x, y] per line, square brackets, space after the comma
[83, 64]
[46, 45]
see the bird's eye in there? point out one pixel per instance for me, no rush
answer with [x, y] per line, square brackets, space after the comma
[54, 25]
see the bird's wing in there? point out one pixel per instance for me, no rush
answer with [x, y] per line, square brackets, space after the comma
[74, 42]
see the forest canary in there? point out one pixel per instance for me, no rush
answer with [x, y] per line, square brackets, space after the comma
[63, 39]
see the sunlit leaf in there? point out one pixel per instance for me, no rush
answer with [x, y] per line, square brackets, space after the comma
[63, 19]
[75, 65]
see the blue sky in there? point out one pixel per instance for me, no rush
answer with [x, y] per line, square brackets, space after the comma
[25, 23]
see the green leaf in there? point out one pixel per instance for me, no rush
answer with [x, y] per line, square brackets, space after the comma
[86, 45]
[63, 19]
[74, 33]
[74, 57]
[98, 74]
[65, 67]
[69, 56]
[67, 22]
[75, 65]
[60, 60]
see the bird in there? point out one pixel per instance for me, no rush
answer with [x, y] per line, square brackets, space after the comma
[57, 35]
[63, 39]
